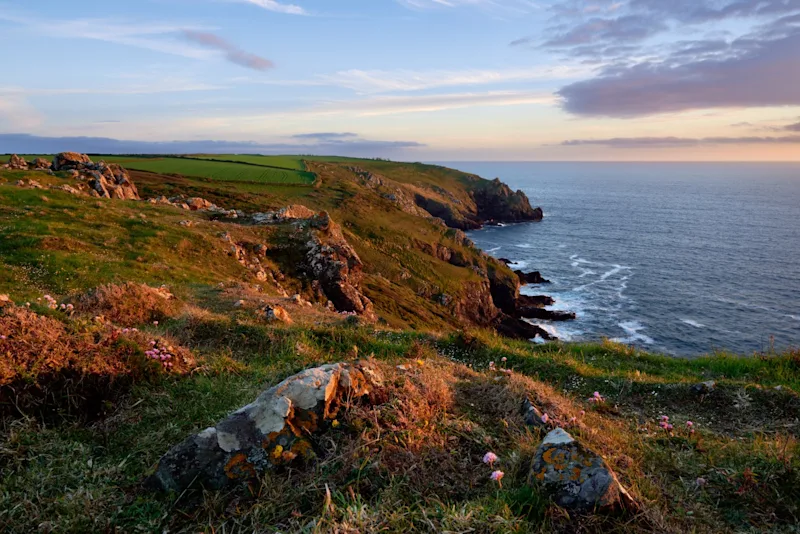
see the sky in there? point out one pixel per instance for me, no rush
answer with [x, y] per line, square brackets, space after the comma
[417, 80]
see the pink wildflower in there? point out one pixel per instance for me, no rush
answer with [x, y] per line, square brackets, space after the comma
[545, 418]
[489, 458]
[664, 418]
[497, 476]
[503, 359]
[3, 337]
[155, 323]
[583, 412]
[701, 481]
[689, 424]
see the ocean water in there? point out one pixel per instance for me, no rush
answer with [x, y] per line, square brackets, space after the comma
[679, 258]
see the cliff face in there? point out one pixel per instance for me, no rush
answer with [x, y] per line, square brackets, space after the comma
[495, 201]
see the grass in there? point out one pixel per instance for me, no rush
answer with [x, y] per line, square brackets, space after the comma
[422, 471]
[284, 162]
[215, 170]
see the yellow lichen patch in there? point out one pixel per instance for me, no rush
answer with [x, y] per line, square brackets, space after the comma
[277, 453]
[238, 467]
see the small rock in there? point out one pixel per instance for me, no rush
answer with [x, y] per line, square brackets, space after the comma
[703, 388]
[278, 314]
[187, 224]
[576, 477]
[532, 415]
[239, 304]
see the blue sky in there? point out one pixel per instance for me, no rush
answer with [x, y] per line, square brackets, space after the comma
[407, 79]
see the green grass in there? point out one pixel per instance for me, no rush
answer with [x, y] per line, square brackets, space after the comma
[284, 162]
[215, 170]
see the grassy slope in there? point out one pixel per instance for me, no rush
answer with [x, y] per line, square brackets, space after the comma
[76, 478]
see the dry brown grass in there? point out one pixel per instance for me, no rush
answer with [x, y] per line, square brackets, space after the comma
[49, 367]
[129, 304]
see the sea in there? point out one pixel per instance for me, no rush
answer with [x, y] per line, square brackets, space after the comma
[678, 258]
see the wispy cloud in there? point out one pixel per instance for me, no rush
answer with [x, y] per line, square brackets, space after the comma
[325, 135]
[384, 81]
[673, 142]
[148, 35]
[277, 7]
[520, 6]
[231, 52]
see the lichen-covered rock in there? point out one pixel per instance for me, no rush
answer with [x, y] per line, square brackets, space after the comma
[273, 430]
[576, 477]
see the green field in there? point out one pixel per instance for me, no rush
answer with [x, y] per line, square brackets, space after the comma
[284, 162]
[215, 170]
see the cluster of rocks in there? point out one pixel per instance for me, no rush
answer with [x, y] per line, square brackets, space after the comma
[107, 180]
[97, 179]
[281, 426]
[18, 163]
[196, 204]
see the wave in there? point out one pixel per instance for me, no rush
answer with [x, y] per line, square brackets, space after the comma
[795, 317]
[495, 249]
[693, 323]
[586, 272]
[523, 245]
[616, 269]
[518, 265]
[633, 329]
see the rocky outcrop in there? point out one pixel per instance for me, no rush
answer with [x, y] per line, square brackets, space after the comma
[453, 216]
[516, 328]
[276, 429]
[40, 164]
[390, 190]
[576, 477]
[534, 301]
[71, 161]
[332, 262]
[545, 315]
[531, 278]
[111, 181]
[476, 305]
[505, 288]
[17, 163]
[496, 201]
[105, 180]
[196, 204]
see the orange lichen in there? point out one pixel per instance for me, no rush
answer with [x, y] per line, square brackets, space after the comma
[238, 467]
